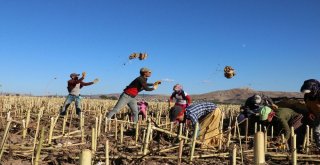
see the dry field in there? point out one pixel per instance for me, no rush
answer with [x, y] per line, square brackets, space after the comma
[32, 132]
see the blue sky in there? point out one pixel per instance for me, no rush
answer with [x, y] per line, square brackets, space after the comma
[273, 45]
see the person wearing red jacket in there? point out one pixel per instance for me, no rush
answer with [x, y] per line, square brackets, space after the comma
[74, 86]
[181, 97]
[131, 91]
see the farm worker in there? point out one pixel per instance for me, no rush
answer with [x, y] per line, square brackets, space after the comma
[74, 86]
[128, 97]
[181, 97]
[285, 118]
[311, 90]
[142, 107]
[250, 110]
[207, 114]
[252, 106]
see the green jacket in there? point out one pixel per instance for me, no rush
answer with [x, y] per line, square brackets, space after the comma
[284, 115]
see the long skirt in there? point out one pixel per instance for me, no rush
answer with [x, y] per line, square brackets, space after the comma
[209, 128]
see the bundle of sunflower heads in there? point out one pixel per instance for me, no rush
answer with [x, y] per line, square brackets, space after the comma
[141, 56]
[229, 72]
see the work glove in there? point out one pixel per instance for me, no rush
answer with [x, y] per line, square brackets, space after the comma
[155, 86]
[95, 80]
[311, 116]
[157, 82]
[84, 74]
[274, 107]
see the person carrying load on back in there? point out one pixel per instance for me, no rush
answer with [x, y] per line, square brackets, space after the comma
[311, 90]
[74, 86]
[128, 97]
[182, 99]
[206, 114]
[285, 118]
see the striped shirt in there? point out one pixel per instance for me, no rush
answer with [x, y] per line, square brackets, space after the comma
[198, 110]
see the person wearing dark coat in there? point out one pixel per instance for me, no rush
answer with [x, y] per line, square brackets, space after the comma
[311, 90]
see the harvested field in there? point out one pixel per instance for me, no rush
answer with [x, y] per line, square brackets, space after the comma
[32, 132]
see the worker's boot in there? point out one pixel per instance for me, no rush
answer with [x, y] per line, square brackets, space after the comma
[63, 111]
[78, 111]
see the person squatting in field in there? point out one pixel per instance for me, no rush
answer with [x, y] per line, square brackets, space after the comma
[207, 114]
[311, 90]
[250, 110]
[74, 86]
[131, 91]
[182, 99]
[142, 108]
[284, 119]
[253, 105]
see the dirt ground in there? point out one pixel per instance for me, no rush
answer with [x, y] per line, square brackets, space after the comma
[66, 150]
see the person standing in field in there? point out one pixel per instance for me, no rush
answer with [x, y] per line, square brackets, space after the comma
[182, 99]
[74, 86]
[128, 96]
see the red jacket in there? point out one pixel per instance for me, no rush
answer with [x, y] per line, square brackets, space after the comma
[137, 85]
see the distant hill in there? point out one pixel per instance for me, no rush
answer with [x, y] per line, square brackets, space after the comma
[148, 97]
[235, 96]
[239, 95]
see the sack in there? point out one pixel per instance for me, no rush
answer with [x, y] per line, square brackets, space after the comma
[296, 122]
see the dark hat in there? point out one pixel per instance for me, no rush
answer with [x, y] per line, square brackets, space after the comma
[74, 75]
[175, 112]
[310, 85]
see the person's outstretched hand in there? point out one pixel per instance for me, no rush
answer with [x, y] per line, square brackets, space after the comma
[155, 86]
[157, 82]
[311, 116]
[95, 80]
[274, 107]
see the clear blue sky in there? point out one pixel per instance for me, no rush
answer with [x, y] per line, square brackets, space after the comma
[272, 44]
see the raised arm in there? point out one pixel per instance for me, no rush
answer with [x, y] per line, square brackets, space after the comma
[86, 83]
[150, 84]
[146, 87]
[89, 83]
